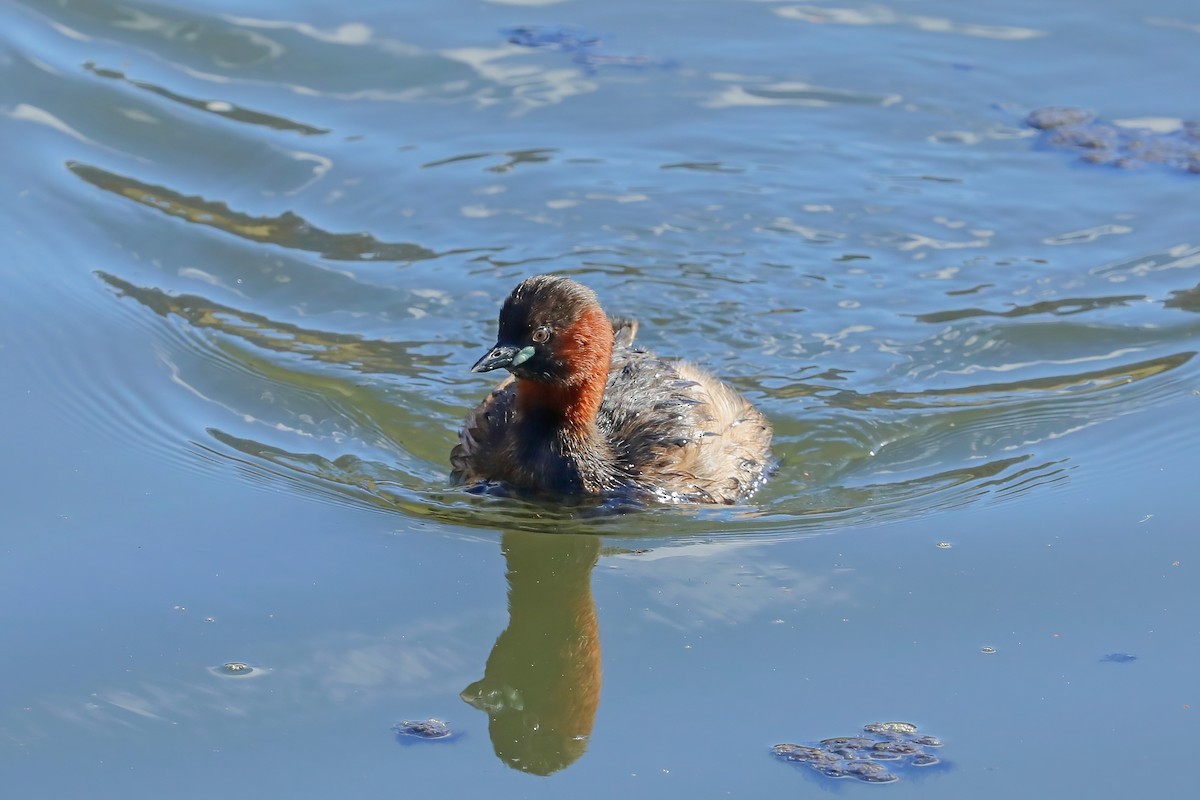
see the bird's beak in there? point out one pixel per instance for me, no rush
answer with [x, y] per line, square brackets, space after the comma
[498, 356]
[503, 355]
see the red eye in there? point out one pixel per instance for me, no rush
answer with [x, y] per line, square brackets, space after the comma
[541, 335]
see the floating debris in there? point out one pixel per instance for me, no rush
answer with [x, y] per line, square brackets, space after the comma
[902, 728]
[1129, 144]
[1119, 658]
[859, 757]
[237, 669]
[423, 729]
[585, 48]
[557, 37]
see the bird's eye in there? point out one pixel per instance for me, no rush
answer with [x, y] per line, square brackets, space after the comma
[541, 335]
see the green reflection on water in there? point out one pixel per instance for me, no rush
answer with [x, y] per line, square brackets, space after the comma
[541, 685]
[288, 229]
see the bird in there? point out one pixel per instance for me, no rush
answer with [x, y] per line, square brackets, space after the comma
[586, 413]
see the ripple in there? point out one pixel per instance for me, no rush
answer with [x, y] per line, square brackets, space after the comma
[1037, 409]
[1182, 256]
[287, 230]
[796, 94]
[1087, 235]
[289, 59]
[508, 161]
[276, 392]
[1059, 308]
[222, 44]
[280, 368]
[1185, 299]
[100, 384]
[348, 350]
[882, 15]
[705, 166]
[857, 457]
[1170, 22]
[379, 486]
[221, 108]
[987, 395]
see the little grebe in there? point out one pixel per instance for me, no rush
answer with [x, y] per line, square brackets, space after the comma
[586, 413]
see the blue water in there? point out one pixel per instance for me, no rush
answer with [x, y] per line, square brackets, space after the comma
[253, 249]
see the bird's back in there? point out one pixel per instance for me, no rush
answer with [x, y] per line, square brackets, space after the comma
[685, 435]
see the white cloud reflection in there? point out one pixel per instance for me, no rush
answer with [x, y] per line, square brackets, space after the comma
[882, 15]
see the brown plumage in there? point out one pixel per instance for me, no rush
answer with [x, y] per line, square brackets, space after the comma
[587, 413]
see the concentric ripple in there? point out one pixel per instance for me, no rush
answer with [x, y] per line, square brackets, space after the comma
[304, 320]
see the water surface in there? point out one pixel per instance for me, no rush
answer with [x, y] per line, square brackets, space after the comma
[253, 250]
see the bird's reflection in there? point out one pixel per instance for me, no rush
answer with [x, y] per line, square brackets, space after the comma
[541, 685]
